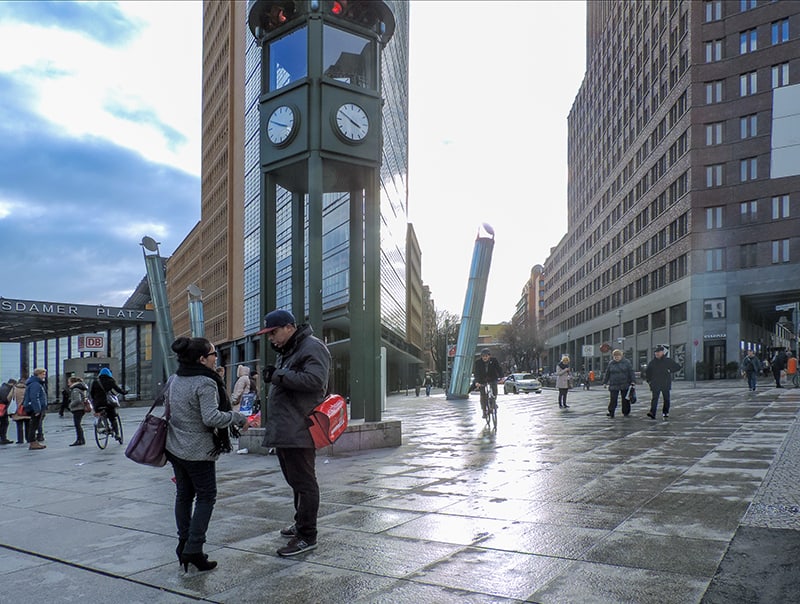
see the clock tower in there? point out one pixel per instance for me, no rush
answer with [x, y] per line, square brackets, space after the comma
[320, 135]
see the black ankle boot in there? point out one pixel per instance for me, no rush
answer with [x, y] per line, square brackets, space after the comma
[179, 549]
[199, 560]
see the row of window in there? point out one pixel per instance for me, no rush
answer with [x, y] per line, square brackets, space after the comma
[748, 41]
[748, 212]
[748, 128]
[748, 255]
[748, 171]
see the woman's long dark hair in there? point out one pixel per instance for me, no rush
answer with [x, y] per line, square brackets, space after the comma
[190, 349]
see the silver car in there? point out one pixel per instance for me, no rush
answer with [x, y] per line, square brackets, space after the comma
[521, 382]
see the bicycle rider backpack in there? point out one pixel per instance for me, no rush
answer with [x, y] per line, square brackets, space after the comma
[328, 421]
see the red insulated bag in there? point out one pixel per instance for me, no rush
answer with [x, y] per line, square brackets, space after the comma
[328, 421]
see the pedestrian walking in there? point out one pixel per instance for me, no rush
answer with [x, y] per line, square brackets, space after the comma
[778, 364]
[791, 370]
[750, 367]
[6, 391]
[297, 383]
[428, 383]
[659, 374]
[18, 413]
[241, 387]
[563, 375]
[199, 431]
[65, 399]
[78, 397]
[618, 376]
[35, 404]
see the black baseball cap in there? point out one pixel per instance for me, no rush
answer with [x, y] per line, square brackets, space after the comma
[275, 319]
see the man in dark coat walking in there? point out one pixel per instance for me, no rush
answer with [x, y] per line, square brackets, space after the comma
[297, 383]
[659, 375]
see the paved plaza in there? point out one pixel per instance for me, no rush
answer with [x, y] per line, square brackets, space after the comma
[556, 506]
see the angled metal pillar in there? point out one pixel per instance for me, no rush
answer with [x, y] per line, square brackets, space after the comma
[157, 279]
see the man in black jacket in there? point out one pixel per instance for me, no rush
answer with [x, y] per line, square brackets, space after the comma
[297, 383]
[486, 371]
[659, 375]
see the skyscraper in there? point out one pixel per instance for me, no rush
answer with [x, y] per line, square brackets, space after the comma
[684, 184]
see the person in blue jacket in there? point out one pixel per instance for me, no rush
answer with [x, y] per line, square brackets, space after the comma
[35, 403]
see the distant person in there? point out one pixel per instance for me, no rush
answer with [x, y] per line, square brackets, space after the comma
[19, 415]
[35, 404]
[777, 365]
[659, 374]
[428, 383]
[199, 431]
[750, 367]
[297, 383]
[78, 396]
[102, 387]
[791, 370]
[241, 387]
[563, 374]
[6, 390]
[65, 394]
[487, 371]
[618, 377]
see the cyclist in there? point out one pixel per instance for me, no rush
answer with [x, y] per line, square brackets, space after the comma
[486, 371]
[104, 385]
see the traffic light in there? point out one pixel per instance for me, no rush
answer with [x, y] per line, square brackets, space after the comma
[366, 13]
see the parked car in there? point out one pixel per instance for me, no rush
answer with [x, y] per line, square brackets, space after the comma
[521, 382]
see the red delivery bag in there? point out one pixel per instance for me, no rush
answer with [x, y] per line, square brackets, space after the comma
[328, 421]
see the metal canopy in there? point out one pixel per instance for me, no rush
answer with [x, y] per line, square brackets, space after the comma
[31, 320]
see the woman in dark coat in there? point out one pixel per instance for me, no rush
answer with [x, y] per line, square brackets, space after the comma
[618, 377]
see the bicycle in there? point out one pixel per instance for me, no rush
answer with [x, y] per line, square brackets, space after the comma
[490, 406]
[103, 429]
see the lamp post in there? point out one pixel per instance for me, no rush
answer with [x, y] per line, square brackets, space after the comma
[569, 333]
[446, 354]
[620, 338]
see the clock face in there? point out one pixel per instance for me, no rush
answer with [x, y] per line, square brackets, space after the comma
[352, 122]
[281, 125]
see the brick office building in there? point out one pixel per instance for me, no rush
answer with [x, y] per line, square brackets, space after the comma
[684, 185]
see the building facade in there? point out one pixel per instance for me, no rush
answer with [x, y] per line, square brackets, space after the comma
[684, 185]
[222, 254]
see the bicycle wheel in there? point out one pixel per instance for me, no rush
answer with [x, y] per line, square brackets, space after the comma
[493, 412]
[119, 430]
[101, 432]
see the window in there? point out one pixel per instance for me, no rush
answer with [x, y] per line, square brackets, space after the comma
[745, 5]
[748, 169]
[748, 126]
[348, 57]
[713, 92]
[714, 176]
[748, 255]
[780, 207]
[714, 134]
[713, 10]
[780, 251]
[714, 259]
[780, 75]
[748, 83]
[780, 31]
[714, 218]
[288, 60]
[748, 41]
[713, 51]
[677, 313]
[748, 211]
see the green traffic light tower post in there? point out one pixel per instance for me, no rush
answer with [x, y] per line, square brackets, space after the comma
[320, 114]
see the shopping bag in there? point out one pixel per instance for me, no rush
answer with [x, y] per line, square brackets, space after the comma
[328, 421]
[246, 403]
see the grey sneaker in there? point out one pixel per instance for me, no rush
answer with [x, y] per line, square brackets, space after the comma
[289, 531]
[296, 546]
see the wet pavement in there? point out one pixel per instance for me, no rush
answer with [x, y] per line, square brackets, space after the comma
[555, 506]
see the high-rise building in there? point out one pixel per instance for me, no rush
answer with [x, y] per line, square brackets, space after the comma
[222, 254]
[684, 185]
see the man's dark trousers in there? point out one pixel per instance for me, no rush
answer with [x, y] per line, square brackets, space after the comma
[299, 470]
[654, 401]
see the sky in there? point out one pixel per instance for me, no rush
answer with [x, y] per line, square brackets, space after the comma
[100, 141]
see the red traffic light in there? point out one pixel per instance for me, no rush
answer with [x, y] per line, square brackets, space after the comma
[337, 8]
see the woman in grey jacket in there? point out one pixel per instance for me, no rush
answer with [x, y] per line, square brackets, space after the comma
[199, 424]
[618, 377]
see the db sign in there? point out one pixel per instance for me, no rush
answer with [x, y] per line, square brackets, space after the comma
[588, 350]
[95, 342]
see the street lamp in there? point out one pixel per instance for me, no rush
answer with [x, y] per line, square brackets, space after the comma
[621, 338]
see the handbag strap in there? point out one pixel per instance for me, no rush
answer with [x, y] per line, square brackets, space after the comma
[167, 392]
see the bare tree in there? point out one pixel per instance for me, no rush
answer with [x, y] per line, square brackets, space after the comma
[522, 345]
[444, 332]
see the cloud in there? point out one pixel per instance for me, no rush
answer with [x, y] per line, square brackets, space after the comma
[101, 21]
[72, 210]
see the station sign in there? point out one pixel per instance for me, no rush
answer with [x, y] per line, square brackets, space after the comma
[92, 342]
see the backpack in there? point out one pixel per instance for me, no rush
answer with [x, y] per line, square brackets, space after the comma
[328, 421]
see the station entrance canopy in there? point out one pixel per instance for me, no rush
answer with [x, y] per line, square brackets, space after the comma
[32, 320]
